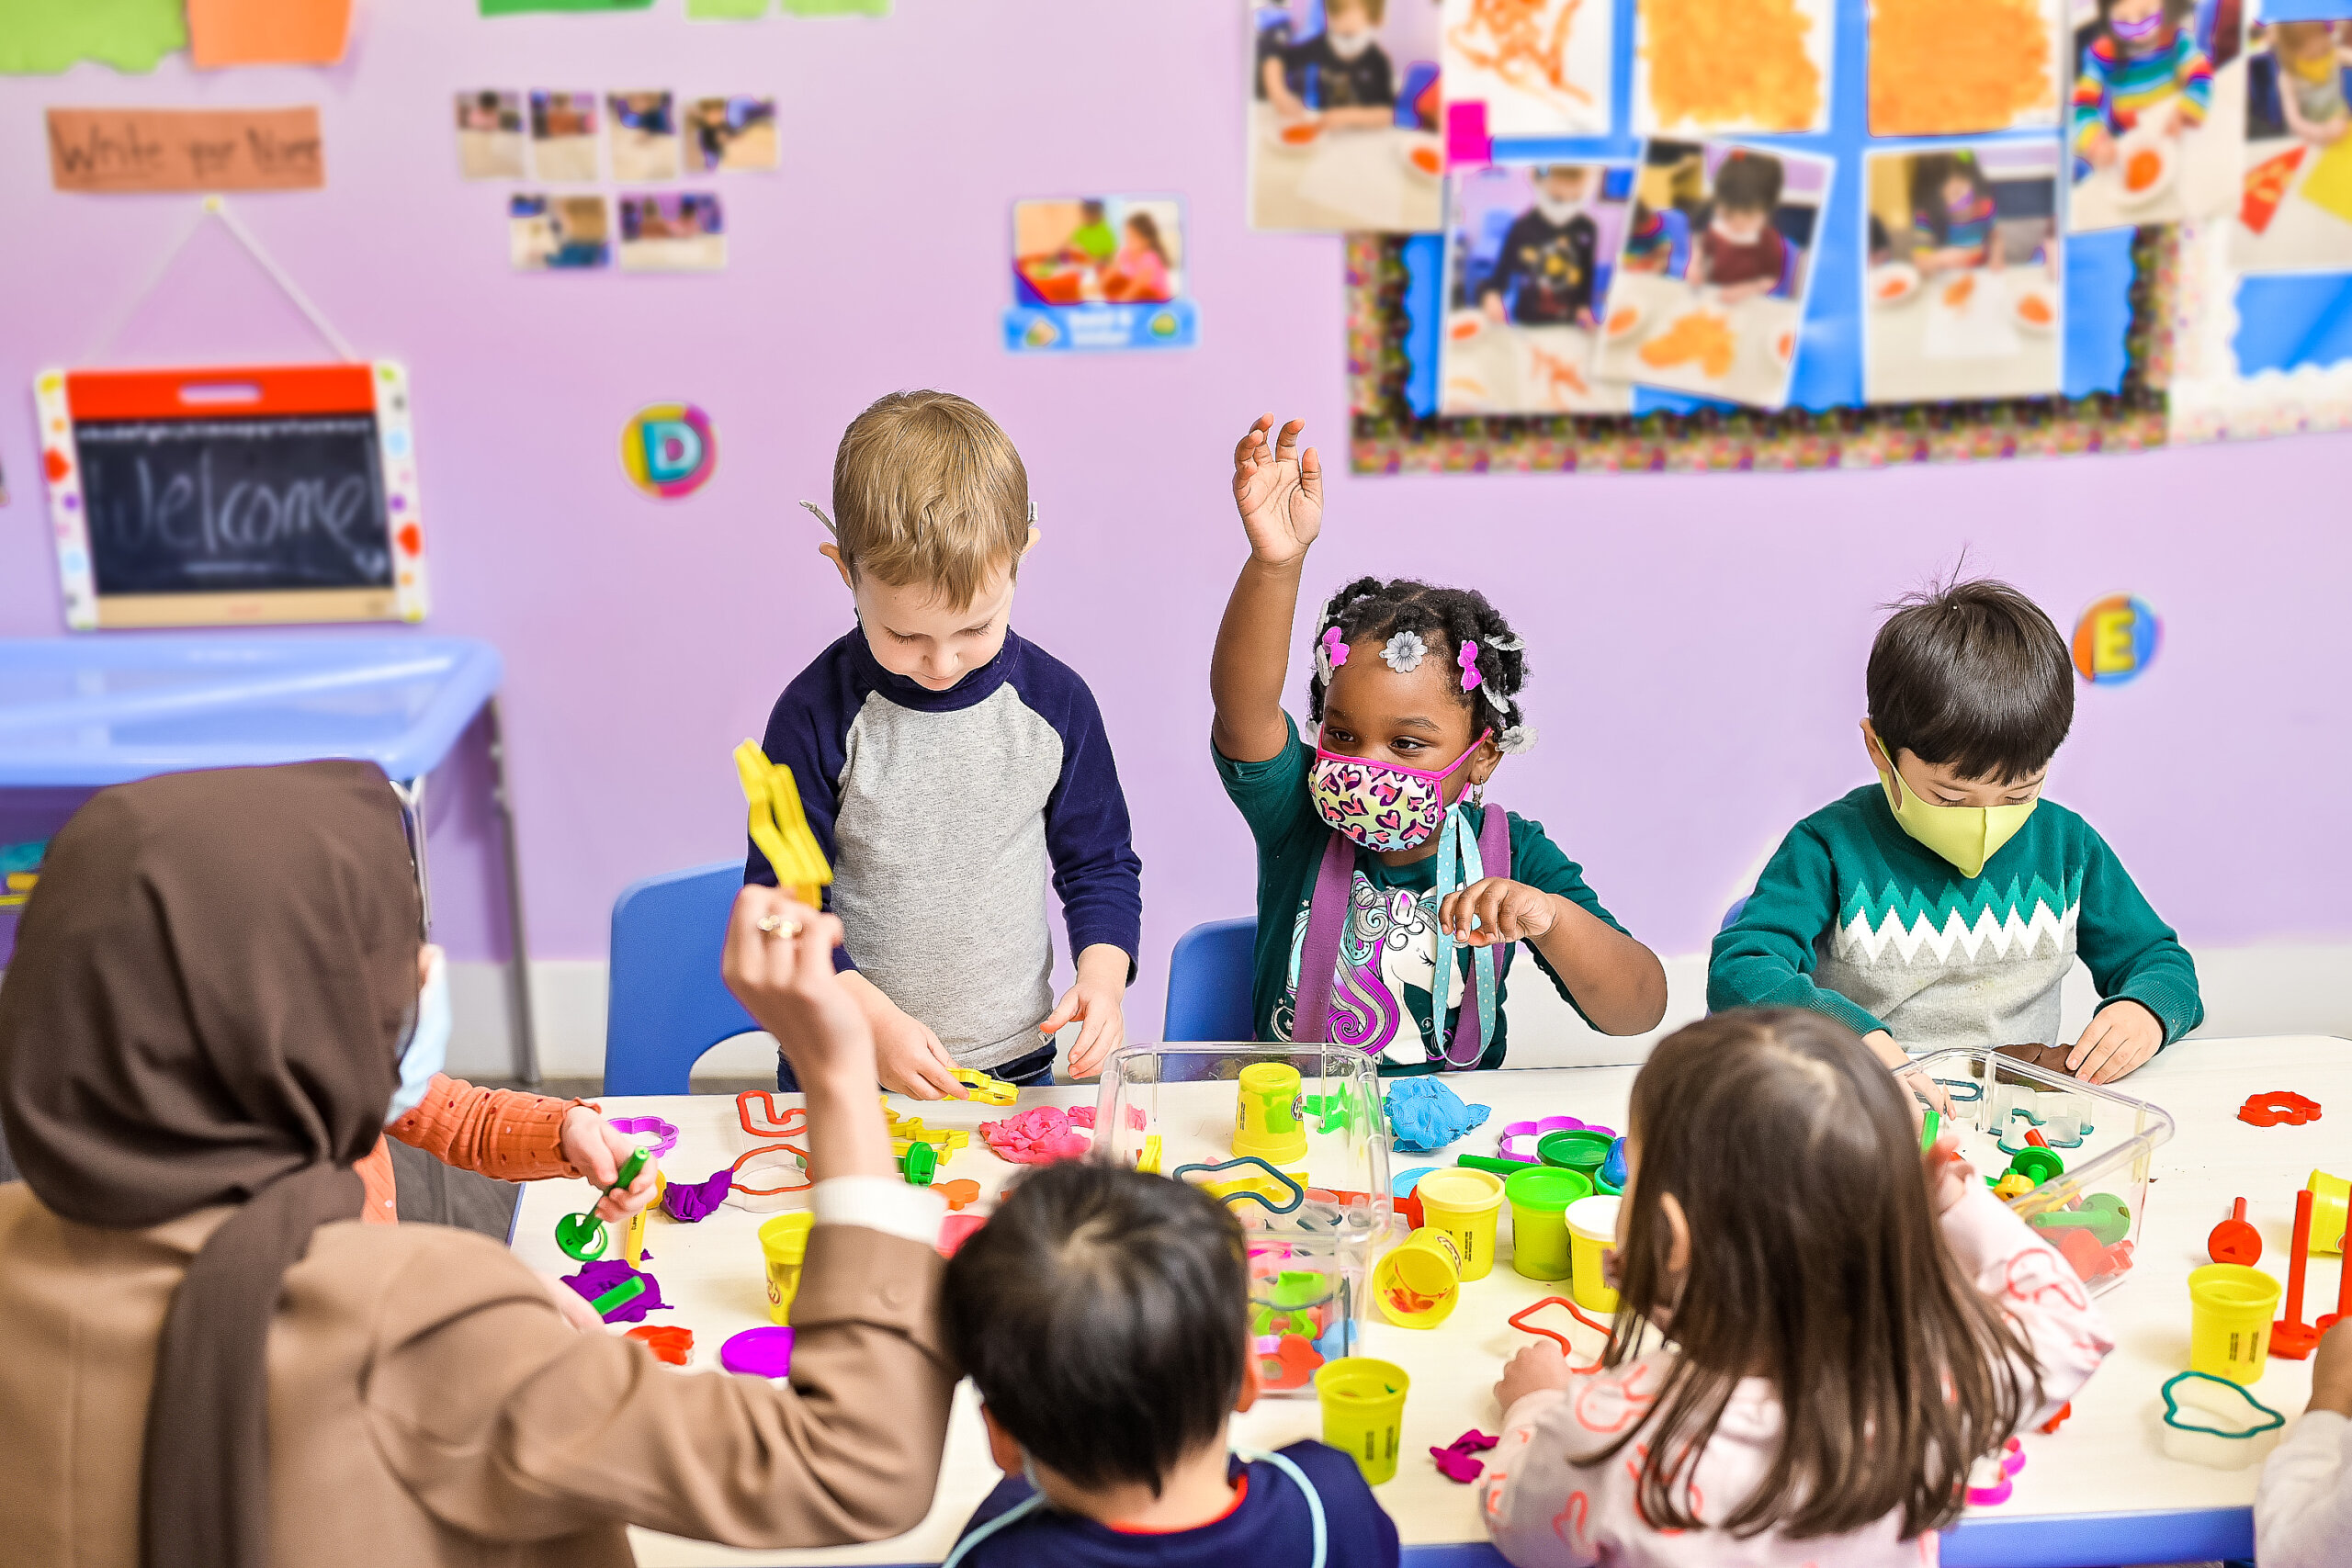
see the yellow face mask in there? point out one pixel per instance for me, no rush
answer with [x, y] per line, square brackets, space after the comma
[1967, 836]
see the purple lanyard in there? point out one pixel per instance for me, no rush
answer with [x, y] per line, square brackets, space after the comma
[1326, 915]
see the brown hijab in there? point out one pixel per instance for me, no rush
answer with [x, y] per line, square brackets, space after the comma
[212, 985]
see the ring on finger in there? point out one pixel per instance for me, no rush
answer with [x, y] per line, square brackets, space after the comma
[776, 925]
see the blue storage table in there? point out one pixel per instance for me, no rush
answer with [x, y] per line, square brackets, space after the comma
[85, 712]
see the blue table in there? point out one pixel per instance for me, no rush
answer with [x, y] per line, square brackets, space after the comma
[85, 712]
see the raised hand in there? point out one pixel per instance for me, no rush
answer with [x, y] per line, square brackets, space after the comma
[1279, 490]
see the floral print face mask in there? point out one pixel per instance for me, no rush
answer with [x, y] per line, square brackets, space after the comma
[1381, 806]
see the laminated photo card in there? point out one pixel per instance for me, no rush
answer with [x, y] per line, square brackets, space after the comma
[1963, 297]
[735, 135]
[645, 135]
[2156, 122]
[549, 234]
[1529, 251]
[672, 231]
[1707, 67]
[490, 135]
[2295, 208]
[1713, 270]
[563, 136]
[1343, 116]
[1099, 272]
[1537, 67]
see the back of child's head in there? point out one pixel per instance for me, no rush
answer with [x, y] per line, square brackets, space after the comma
[929, 492]
[1973, 677]
[1446, 620]
[1815, 1261]
[1748, 182]
[1103, 1314]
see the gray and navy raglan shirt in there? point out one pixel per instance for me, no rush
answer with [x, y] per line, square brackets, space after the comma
[1854, 917]
[940, 813]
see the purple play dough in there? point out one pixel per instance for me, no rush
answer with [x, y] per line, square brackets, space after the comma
[690, 1201]
[597, 1278]
[1455, 1460]
[760, 1353]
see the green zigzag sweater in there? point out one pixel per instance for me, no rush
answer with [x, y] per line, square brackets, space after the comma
[1854, 918]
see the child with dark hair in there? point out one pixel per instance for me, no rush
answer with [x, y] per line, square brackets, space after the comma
[1739, 252]
[1104, 1317]
[1953, 217]
[1830, 1370]
[1139, 273]
[1658, 237]
[1942, 906]
[2142, 66]
[1384, 882]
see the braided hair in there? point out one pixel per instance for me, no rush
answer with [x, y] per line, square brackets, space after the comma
[1445, 619]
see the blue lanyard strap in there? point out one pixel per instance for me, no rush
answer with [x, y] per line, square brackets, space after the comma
[1459, 863]
[1036, 1500]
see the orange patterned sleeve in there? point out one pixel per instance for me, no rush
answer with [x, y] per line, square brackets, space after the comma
[503, 1132]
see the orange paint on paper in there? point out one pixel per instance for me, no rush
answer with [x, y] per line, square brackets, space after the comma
[1559, 378]
[2141, 170]
[1944, 67]
[2035, 308]
[1957, 294]
[1699, 337]
[1465, 330]
[1895, 289]
[1426, 159]
[1621, 320]
[1300, 135]
[1511, 39]
[1731, 62]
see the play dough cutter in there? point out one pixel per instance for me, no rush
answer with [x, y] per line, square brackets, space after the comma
[779, 826]
[582, 1235]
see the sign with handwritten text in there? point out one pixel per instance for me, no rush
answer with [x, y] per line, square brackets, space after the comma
[198, 149]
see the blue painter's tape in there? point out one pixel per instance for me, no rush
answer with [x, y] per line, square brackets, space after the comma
[2098, 312]
[2303, 318]
[1424, 313]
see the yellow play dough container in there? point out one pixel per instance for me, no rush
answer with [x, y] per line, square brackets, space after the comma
[785, 1241]
[1363, 1412]
[1417, 1282]
[1539, 1198]
[2331, 1196]
[1265, 1115]
[1592, 1230]
[1464, 1204]
[2229, 1309]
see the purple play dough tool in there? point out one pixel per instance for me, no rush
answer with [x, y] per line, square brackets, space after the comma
[760, 1352]
[597, 1278]
[1457, 1459]
[689, 1201]
[635, 1125]
[1533, 1131]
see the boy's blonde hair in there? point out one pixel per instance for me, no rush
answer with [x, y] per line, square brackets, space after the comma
[928, 491]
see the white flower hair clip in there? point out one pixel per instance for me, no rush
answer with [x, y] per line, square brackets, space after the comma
[1518, 737]
[1404, 652]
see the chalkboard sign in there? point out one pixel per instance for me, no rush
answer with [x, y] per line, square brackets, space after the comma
[203, 497]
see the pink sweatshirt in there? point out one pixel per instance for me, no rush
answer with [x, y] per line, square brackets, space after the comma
[1549, 1500]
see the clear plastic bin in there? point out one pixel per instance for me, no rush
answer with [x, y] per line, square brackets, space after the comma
[2093, 1209]
[1308, 1267]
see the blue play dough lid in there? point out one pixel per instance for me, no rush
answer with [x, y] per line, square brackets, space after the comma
[1401, 1185]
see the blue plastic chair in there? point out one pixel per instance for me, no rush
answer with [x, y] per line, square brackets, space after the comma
[668, 1005]
[1208, 982]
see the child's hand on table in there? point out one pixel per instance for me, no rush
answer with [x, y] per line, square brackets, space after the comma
[2332, 1370]
[1888, 1049]
[2099, 147]
[596, 1148]
[1503, 910]
[1279, 490]
[1098, 1001]
[1535, 1366]
[2121, 1036]
[909, 1058]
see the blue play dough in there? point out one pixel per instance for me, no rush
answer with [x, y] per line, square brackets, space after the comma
[1613, 1169]
[1424, 1115]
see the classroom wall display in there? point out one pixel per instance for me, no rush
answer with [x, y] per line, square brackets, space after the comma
[733, 135]
[1964, 297]
[672, 231]
[563, 136]
[558, 234]
[1939, 69]
[516, 7]
[2295, 211]
[669, 450]
[2157, 119]
[645, 135]
[114, 149]
[233, 495]
[267, 32]
[1102, 272]
[1529, 249]
[1712, 270]
[1534, 67]
[1343, 116]
[40, 38]
[1731, 66]
[2114, 640]
[490, 135]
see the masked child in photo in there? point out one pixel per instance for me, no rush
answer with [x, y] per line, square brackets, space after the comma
[1342, 75]
[1104, 1317]
[2310, 80]
[935, 749]
[2142, 67]
[1658, 239]
[1952, 224]
[1549, 253]
[1831, 1371]
[1384, 882]
[1943, 904]
[1740, 254]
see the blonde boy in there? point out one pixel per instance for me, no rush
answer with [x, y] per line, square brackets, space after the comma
[944, 764]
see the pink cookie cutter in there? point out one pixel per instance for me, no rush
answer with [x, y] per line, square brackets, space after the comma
[1521, 1138]
[665, 1133]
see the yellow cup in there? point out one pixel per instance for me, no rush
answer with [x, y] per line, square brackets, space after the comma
[2230, 1312]
[2331, 1196]
[1417, 1282]
[785, 1240]
[1464, 1204]
[1592, 1230]
[1265, 1115]
[1363, 1412]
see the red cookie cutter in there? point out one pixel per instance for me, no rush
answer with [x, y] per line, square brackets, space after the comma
[805, 1182]
[2279, 1105]
[779, 1124]
[1516, 1321]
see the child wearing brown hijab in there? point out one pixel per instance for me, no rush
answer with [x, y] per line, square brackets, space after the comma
[213, 1362]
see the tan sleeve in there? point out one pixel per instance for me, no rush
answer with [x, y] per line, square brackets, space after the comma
[509, 1425]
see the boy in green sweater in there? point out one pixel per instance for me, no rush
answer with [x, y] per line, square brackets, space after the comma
[1942, 906]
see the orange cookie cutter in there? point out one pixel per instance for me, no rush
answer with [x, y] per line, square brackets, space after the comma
[2279, 1105]
[1516, 1321]
[805, 1182]
[779, 1122]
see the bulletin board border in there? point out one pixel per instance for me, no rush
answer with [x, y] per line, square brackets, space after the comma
[1388, 437]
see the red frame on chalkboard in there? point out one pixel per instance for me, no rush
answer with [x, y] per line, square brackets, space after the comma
[378, 388]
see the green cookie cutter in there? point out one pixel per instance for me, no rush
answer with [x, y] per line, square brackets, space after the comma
[2220, 1424]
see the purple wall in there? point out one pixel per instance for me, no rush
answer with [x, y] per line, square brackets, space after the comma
[1697, 642]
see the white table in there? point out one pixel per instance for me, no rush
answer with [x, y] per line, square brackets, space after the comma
[1353, 179]
[2099, 1490]
[1910, 358]
[1758, 375]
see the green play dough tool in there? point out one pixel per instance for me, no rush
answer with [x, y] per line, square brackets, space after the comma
[582, 1236]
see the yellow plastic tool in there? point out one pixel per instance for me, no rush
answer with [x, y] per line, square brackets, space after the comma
[779, 826]
[633, 1233]
[985, 1089]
